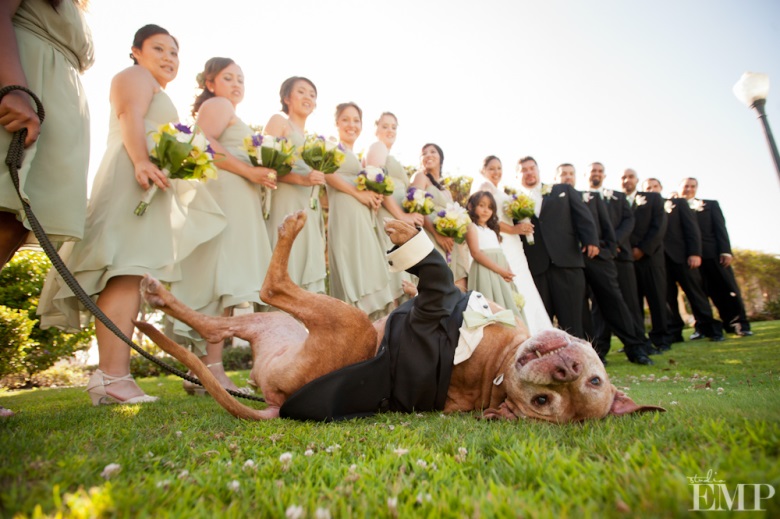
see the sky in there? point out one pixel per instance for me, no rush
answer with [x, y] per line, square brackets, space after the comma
[629, 83]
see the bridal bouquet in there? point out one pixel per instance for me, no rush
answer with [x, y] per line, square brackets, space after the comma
[453, 222]
[323, 155]
[375, 179]
[521, 208]
[270, 152]
[180, 151]
[418, 201]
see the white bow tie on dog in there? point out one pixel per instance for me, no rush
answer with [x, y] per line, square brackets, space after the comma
[476, 316]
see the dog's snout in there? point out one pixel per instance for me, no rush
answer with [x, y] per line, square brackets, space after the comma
[566, 370]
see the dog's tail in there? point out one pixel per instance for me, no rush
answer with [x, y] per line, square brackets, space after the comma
[208, 380]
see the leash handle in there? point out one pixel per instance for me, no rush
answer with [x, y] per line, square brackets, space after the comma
[14, 161]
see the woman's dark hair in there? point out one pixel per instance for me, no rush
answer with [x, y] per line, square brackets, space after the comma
[146, 32]
[391, 114]
[343, 106]
[488, 159]
[441, 163]
[211, 70]
[492, 222]
[287, 88]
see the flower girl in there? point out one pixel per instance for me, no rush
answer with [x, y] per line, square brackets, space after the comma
[489, 272]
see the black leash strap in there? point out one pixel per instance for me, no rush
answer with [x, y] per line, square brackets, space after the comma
[14, 161]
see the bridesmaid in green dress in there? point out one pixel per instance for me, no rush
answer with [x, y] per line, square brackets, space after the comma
[429, 178]
[230, 269]
[119, 247]
[378, 155]
[307, 257]
[45, 45]
[358, 273]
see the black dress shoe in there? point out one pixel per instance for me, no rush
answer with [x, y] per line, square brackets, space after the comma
[641, 359]
[664, 347]
[717, 338]
[695, 336]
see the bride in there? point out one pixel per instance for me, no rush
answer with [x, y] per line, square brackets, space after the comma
[533, 310]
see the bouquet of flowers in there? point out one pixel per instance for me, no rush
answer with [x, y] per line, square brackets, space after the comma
[181, 152]
[270, 152]
[521, 208]
[375, 179]
[418, 201]
[323, 155]
[453, 222]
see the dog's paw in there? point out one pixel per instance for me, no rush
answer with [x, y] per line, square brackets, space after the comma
[153, 291]
[399, 232]
[292, 225]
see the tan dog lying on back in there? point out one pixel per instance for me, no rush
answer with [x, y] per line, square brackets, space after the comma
[551, 376]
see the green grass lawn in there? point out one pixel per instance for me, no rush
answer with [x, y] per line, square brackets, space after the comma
[186, 457]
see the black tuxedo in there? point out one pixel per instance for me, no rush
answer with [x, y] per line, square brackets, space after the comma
[412, 368]
[650, 269]
[601, 276]
[719, 282]
[564, 225]
[683, 239]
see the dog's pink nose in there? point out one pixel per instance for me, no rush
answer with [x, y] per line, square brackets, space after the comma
[566, 370]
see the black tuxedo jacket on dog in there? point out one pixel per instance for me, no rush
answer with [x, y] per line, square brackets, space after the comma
[412, 369]
[649, 226]
[714, 236]
[564, 225]
[682, 238]
[622, 218]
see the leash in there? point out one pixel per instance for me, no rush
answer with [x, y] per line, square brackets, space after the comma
[14, 161]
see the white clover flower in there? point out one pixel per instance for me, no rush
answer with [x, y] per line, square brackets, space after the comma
[391, 427]
[308, 452]
[234, 486]
[720, 390]
[286, 457]
[249, 464]
[322, 513]
[423, 497]
[294, 512]
[178, 434]
[672, 403]
[400, 451]
[392, 503]
[183, 474]
[110, 470]
[333, 448]
[462, 451]
[165, 483]
[422, 463]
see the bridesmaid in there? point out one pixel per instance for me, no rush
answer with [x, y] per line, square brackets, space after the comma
[119, 247]
[358, 275]
[533, 311]
[379, 155]
[307, 258]
[429, 178]
[235, 262]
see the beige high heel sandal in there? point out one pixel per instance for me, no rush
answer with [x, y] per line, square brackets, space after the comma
[96, 387]
[197, 390]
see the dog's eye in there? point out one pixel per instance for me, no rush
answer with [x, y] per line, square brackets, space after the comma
[540, 400]
[596, 381]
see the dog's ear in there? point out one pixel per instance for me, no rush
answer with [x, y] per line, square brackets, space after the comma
[622, 404]
[503, 412]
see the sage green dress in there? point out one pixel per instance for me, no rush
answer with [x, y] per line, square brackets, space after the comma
[119, 243]
[54, 48]
[358, 270]
[397, 172]
[459, 257]
[488, 282]
[228, 270]
[307, 257]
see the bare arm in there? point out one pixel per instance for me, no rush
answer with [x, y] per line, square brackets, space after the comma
[214, 116]
[16, 112]
[377, 155]
[472, 240]
[367, 198]
[131, 94]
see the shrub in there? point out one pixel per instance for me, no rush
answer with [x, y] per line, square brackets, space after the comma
[236, 358]
[30, 352]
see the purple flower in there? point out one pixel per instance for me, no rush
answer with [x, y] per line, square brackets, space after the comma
[441, 213]
[321, 137]
[341, 147]
[410, 193]
[379, 178]
[209, 149]
[428, 195]
[183, 128]
[257, 140]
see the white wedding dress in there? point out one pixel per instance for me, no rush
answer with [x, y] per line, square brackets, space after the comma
[533, 311]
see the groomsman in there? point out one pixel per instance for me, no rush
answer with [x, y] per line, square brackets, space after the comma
[647, 247]
[563, 228]
[682, 246]
[601, 277]
[719, 281]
